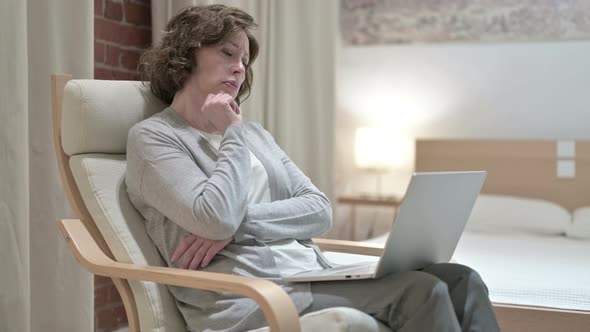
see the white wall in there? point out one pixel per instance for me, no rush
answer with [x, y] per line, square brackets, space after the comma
[512, 90]
[536, 90]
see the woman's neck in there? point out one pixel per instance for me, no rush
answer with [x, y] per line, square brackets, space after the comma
[188, 105]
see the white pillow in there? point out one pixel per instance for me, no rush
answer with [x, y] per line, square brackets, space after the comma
[510, 214]
[580, 228]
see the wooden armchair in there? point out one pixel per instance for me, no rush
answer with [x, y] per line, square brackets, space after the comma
[90, 123]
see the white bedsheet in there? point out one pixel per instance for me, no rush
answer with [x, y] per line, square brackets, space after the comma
[547, 271]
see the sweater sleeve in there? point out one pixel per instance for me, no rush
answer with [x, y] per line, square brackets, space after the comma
[172, 183]
[306, 214]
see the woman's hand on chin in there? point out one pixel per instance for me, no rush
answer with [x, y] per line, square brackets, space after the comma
[221, 111]
[197, 251]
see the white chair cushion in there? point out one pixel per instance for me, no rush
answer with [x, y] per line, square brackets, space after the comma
[96, 120]
[338, 319]
[101, 180]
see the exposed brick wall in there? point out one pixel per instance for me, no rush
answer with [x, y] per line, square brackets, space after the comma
[122, 31]
[109, 312]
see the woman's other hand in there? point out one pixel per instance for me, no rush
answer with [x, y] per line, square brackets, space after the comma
[197, 251]
[221, 111]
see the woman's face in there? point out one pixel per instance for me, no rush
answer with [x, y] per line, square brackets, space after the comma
[221, 68]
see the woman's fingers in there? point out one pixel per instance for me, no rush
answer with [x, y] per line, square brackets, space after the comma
[234, 106]
[198, 257]
[221, 111]
[214, 249]
[198, 252]
[209, 255]
[190, 253]
[184, 245]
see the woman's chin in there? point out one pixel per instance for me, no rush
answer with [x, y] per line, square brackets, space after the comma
[230, 90]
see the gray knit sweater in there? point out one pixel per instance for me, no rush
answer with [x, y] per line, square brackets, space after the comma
[180, 185]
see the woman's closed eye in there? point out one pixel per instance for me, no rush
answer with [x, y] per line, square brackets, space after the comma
[230, 54]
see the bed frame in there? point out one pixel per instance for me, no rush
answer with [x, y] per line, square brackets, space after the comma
[526, 168]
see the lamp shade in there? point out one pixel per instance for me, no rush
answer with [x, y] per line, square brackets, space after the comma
[373, 149]
[382, 149]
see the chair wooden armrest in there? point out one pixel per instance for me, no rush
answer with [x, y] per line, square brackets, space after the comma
[353, 247]
[350, 247]
[276, 305]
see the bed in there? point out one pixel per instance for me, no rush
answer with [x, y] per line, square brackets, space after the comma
[529, 233]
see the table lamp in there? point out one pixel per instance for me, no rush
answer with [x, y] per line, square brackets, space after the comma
[375, 152]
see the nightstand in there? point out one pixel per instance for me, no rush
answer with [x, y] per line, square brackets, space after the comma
[366, 200]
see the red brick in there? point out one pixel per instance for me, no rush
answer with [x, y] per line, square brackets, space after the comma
[113, 10]
[113, 55]
[100, 280]
[135, 36]
[106, 30]
[98, 7]
[130, 59]
[121, 314]
[138, 14]
[121, 34]
[99, 50]
[103, 74]
[121, 75]
[101, 296]
[110, 318]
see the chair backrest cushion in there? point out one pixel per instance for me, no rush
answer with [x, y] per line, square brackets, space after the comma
[101, 181]
[97, 114]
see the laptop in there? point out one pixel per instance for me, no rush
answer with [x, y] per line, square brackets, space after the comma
[426, 229]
